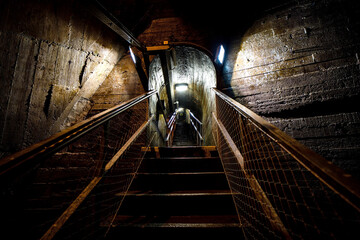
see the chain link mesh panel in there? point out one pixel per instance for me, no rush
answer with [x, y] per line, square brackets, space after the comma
[276, 197]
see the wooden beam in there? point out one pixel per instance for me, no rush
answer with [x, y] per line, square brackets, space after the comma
[157, 48]
[230, 142]
[104, 15]
[267, 207]
[70, 210]
[116, 157]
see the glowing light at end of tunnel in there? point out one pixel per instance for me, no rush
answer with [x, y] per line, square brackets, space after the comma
[181, 87]
[221, 54]
[132, 55]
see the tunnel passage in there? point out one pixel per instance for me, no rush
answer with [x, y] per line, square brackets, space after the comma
[192, 68]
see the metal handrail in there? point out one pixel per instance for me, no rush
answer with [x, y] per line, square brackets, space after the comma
[334, 177]
[45, 148]
[171, 128]
[198, 130]
[193, 116]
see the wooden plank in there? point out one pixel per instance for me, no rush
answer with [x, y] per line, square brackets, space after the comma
[230, 142]
[158, 48]
[267, 207]
[126, 145]
[152, 149]
[76, 203]
[70, 210]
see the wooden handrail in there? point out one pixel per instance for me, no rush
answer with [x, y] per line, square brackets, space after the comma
[334, 177]
[59, 223]
[45, 148]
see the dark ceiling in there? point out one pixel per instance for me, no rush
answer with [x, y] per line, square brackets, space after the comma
[219, 19]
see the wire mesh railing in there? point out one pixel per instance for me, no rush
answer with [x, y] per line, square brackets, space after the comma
[281, 189]
[71, 185]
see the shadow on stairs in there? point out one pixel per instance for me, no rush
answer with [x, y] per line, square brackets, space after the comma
[177, 191]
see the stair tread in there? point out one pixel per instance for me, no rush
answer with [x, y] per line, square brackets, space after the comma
[181, 164]
[179, 181]
[176, 193]
[180, 151]
[180, 173]
[181, 158]
[179, 190]
[177, 221]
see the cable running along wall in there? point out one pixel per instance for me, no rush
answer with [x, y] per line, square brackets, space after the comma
[275, 195]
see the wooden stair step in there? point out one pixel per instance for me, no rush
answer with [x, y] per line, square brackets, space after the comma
[181, 151]
[175, 204]
[179, 181]
[183, 164]
[176, 193]
[176, 221]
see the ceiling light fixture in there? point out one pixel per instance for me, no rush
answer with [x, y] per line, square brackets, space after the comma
[181, 87]
[133, 57]
[220, 54]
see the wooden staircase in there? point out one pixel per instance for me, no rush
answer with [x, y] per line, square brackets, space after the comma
[177, 190]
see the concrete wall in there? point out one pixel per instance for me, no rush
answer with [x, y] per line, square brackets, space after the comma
[192, 66]
[53, 57]
[298, 66]
[123, 83]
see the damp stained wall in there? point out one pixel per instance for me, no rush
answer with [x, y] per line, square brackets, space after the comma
[298, 66]
[122, 84]
[53, 57]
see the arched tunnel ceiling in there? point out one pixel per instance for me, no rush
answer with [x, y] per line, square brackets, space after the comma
[203, 23]
[217, 20]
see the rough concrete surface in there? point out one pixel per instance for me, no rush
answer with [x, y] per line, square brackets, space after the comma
[53, 55]
[298, 67]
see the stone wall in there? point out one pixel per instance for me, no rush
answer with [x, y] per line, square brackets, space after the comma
[298, 66]
[53, 57]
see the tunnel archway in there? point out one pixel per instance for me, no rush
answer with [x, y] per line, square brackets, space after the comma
[191, 67]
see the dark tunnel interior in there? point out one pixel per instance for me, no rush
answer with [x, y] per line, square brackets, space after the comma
[295, 63]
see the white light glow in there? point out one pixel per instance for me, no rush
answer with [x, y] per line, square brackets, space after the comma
[221, 54]
[132, 55]
[181, 88]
